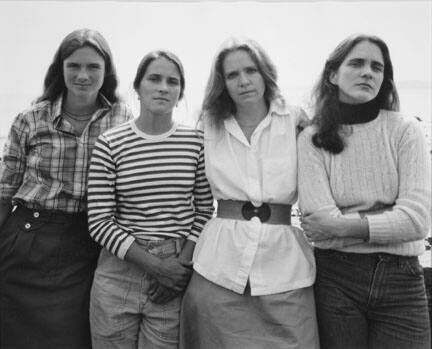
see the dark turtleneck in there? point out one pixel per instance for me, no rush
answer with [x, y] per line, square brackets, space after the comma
[358, 113]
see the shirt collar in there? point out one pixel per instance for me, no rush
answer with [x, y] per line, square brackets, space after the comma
[57, 106]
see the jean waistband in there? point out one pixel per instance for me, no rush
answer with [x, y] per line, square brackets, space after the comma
[366, 257]
[161, 247]
[43, 214]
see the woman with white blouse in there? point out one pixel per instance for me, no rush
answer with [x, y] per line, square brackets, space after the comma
[253, 271]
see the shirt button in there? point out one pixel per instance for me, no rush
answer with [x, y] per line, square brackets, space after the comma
[27, 226]
[36, 214]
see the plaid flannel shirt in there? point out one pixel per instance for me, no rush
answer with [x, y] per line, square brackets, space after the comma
[44, 164]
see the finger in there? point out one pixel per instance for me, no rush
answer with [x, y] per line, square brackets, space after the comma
[187, 264]
[153, 287]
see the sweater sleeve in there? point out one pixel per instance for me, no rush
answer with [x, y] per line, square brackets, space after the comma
[102, 202]
[409, 217]
[203, 199]
[314, 188]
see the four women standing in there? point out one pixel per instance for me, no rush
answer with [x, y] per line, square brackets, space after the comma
[364, 190]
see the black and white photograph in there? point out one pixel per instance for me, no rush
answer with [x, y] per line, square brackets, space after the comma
[215, 174]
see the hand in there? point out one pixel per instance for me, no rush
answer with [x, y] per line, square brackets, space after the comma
[159, 294]
[320, 226]
[173, 273]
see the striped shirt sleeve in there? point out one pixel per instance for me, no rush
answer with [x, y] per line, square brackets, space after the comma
[203, 199]
[102, 202]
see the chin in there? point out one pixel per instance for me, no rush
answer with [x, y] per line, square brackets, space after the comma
[360, 98]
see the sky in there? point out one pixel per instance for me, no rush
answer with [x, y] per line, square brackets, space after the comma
[298, 36]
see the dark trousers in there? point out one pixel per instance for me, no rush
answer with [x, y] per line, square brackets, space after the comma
[374, 301]
[47, 262]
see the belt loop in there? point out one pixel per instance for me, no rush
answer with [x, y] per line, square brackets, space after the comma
[177, 246]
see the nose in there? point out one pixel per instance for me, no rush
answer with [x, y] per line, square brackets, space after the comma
[243, 79]
[163, 86]
[367, 71]
[82, 75]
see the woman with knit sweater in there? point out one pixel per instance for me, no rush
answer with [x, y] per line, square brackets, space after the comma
[365, 195]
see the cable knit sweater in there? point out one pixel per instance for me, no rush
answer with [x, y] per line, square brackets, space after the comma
[383, 173]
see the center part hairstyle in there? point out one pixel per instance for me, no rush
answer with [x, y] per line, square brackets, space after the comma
[150, 57]
[217, 104]
[325, 96]
[54, 84]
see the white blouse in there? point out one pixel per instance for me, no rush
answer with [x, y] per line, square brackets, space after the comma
[275, 258]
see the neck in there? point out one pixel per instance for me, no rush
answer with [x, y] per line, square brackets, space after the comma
[154, 124]
[80, 106]
[251, 114]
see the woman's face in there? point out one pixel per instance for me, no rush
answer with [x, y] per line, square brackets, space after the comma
[84, 73]
[243, 80]
[159, 89]
[360, 75]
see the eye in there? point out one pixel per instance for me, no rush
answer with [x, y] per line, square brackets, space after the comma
[153, 78]
[231, 75]
[355, 63]
[94, 66]
[251, 70]
[377, 67]
[173, 81]
[72, 65]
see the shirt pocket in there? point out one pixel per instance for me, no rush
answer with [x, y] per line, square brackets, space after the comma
[279, 179]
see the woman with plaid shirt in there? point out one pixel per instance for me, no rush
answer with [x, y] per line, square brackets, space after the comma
[47, 258]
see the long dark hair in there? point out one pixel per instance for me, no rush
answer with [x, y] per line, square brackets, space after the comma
[326, 95]
[54, 85]
[217, 104]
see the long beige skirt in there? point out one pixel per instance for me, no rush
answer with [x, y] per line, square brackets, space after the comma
[214, 317]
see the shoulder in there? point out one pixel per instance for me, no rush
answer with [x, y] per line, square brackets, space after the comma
[34, 113]
[189, 132]
[401, 124]
[286, 112]
[122, 110]
[119, 131]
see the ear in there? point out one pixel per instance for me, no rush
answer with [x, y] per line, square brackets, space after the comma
[333, 77]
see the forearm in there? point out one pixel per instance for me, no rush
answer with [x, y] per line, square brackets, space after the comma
[187, 250]
[353, 228]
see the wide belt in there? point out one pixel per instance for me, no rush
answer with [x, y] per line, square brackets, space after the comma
[245, 210]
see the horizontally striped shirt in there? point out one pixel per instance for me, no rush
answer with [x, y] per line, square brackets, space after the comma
[148, 187]
[45, 165]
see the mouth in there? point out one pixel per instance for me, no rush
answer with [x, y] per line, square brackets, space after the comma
[247, 93]
[161, 99]
[363, 84]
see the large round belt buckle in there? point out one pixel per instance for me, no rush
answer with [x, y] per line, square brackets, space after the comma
[263, 212]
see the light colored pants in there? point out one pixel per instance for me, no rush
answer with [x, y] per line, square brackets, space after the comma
[121, 313]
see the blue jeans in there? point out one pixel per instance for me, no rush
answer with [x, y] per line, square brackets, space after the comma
[121, 313]
[373, 301]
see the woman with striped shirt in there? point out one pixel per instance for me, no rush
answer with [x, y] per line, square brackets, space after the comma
[148, 202]
[47, 258]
